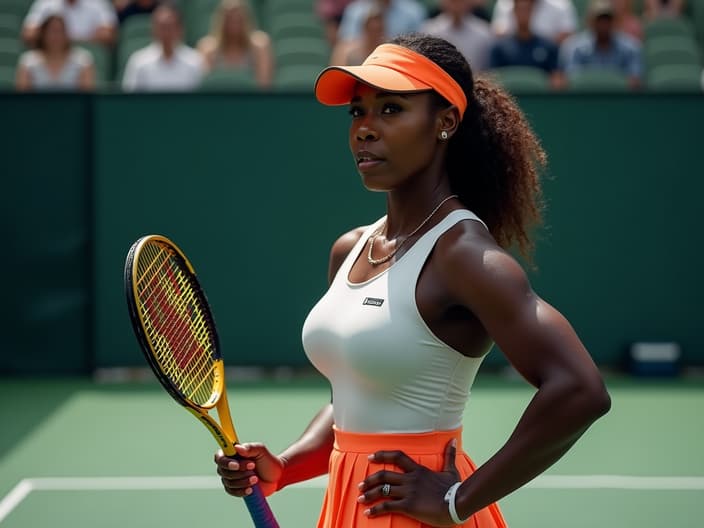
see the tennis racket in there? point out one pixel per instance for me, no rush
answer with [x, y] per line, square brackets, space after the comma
[175, 328]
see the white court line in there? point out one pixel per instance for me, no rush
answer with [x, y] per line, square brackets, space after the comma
[622, 482]
[26, 486]
[13, 499]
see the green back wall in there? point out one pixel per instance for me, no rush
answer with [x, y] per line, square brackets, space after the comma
[255, 188]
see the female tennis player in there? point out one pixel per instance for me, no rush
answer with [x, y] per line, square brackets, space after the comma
[417, 299]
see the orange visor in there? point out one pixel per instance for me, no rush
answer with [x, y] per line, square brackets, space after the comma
[391, 68]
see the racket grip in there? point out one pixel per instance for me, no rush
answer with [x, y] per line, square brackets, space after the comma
[259, 509]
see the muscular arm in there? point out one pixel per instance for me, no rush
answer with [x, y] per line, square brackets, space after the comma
[543, 347]
[308, 456]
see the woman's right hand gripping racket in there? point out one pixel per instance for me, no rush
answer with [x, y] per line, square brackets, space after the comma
[175, 328]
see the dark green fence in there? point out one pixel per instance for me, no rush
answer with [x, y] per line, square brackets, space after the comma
[46, 227]
[256, 187]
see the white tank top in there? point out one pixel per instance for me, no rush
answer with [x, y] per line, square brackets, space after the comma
[389, 372]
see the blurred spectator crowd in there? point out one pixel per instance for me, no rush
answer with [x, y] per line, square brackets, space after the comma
[181, 45]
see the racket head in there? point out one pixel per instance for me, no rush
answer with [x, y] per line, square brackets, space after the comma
[172, 320]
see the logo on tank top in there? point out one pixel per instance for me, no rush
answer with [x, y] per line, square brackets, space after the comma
[373, 301]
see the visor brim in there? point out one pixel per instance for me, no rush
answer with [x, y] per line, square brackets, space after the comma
[335, 85]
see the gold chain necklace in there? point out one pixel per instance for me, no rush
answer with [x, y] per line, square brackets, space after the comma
[375, 235]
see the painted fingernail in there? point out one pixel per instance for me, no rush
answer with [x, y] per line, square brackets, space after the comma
[360, 485]
[233, 465]
[367, 512]
[253, 480]
[250, 465]
[360, 498]
[371, 457]
[248, 491]
[453, 443]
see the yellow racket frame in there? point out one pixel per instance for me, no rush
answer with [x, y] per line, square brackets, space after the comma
[223, 432]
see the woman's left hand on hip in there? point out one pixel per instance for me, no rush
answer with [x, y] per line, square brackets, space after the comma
[417, 491]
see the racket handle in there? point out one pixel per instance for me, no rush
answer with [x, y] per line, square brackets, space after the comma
[259, 509]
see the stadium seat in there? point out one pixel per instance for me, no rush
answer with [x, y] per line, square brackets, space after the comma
[698, 19]
[596, 80]
[10, 25]
[521, 78]
[10, 49]
[297, 77]
[279, 7]
[198, 16]
[675, 78]
[228, 79]
[18, 8]
[668, 26]
[286, 25]
[301, 50]
[671, 50]
[136, 26]
[7, 77]
[102, 60]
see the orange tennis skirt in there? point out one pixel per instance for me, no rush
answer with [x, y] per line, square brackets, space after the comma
[349, 466]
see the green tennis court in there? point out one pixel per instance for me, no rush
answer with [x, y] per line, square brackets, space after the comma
[82, 454]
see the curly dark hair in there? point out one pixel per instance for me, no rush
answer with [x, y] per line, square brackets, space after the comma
[494, 159]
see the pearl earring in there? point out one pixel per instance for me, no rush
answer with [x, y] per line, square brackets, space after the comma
[443, 135]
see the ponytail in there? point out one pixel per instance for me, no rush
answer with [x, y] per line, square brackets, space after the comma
[493, 164]
[494, 159]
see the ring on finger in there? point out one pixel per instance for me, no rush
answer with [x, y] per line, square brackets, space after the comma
[386, 489]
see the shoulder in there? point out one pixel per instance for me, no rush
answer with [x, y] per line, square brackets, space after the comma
[190, 56]
[46, 4]
[30, 59]
[38, 9]
[81, 56]
[145, 55]
[476, 270]
[342, 247]
[467, 235]
[479, 26]
[207, 44]
[260, 39]
[627, 42]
